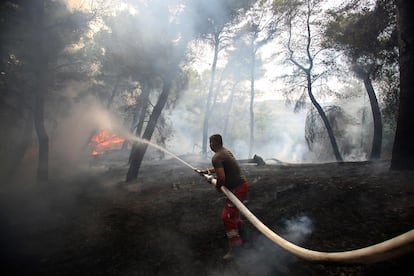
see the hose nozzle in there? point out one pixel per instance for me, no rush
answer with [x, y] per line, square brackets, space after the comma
[199, 172]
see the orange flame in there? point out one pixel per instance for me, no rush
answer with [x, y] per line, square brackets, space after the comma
[105, 141]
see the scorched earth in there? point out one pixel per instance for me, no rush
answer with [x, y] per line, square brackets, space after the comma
[168, 221]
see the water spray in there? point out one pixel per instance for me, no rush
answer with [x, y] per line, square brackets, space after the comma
[137, 139]
[388, 249]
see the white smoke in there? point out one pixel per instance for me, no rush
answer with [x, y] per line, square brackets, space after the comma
[298, 229]
[69, 140]
[263, 257]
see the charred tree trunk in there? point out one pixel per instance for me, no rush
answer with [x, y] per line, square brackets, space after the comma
[114, 91]
[142, 109]
[210, 95]
[325, 122]
[403, 150]
[140, 113]
[376, 116]
[308, 72]
[43, 139]
[40, 69]
[251, 109]
[218, 88]
[138, 149]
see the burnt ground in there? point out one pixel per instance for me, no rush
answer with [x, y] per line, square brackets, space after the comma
[168, 222]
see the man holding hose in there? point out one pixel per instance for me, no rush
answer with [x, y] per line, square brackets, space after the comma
[228, 174]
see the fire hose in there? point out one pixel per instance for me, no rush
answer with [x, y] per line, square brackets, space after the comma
[388, 249]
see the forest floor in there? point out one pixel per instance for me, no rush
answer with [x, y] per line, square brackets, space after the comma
[168, 221]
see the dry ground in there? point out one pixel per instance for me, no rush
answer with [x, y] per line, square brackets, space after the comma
[168, 222]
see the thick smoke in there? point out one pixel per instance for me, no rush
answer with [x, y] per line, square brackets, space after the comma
[70, 151]
[281, 138]
[279, 133]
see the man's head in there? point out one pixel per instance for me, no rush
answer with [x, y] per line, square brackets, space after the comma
[216, 142]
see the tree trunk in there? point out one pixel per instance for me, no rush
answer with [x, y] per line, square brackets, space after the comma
[138, 149]
[403, 150]
[140, 113]
[376, 116]
[325, 121]
[43, 139]
[40, 70]
[142, 108]
[210, 95]
[251, 109]
[308, 72]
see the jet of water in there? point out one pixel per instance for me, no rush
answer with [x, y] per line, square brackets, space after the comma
[137, 139]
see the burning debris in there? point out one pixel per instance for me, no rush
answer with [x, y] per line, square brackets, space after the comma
[105, 141]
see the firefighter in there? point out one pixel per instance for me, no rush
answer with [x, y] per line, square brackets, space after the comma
[228, 174]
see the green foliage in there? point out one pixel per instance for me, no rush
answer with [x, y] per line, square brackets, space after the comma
[34, 64]
[368, 37]
[142, 59]
[130, 50]
[212, 16]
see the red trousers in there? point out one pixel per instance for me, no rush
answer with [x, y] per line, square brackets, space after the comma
[231, 215]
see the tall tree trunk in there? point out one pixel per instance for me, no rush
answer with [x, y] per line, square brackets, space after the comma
[403, 150]
[376, 116]
[140, 113]
[308, 72]
[142, 108]
[43, 139]
[218, 88]
[210, 95]
[325, 121]
[40, 69]
[138, 149]
[251, 109]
